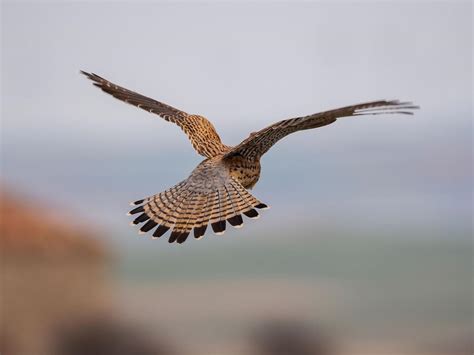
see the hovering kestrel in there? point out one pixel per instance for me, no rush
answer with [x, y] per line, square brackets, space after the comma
[216, 190]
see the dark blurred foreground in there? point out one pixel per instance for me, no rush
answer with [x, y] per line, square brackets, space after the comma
[60, 297]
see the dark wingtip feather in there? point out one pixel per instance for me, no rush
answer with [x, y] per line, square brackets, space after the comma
[92, 76]
[199, 231]
[160, 231]
[368, 113]
[85, 73]
[218, 227]
[262, 206]
[387, 107]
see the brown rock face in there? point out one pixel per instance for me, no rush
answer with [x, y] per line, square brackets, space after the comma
[51, 273]
[28, 229]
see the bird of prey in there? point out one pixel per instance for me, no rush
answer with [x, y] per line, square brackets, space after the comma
[216, 192]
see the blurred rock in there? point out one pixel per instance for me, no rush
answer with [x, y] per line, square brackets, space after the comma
[463, 344]
[107, 337]
[50, 272]
[290, 337]
[30, 230]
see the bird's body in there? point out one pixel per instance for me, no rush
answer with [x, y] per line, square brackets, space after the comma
[216, 190]
[245, 171]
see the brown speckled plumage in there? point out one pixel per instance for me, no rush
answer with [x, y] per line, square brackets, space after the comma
[216, 191]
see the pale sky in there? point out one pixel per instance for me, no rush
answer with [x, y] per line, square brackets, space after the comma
[244, 66]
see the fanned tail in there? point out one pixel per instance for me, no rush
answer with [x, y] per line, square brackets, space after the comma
[184, 208]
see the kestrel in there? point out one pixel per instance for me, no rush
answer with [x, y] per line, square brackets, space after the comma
[216, 192]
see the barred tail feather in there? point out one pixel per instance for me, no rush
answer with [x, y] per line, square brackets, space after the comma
[203, 219]
[249, 202]
[186, 219]
[183, 209]
[215, 220]
[192, 216]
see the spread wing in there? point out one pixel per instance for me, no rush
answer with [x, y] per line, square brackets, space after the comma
[199, 130]
[260, 142]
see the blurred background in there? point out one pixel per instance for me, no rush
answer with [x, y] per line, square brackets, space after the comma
[367, 248]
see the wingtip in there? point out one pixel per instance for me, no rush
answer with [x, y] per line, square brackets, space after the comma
[88, 75]
[386, 107]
